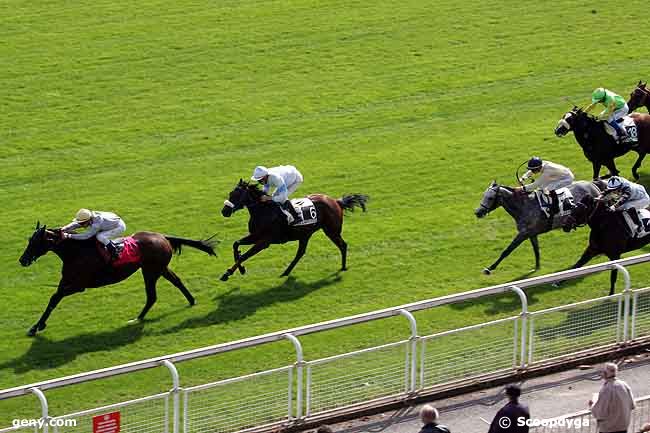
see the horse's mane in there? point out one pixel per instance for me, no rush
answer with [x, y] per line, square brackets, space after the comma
[251, 187]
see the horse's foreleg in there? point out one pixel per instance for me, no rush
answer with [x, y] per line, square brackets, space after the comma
[535, 244]
[259, 246]
[247, 240]
[637, 164]
[150, 279]
[513, 245]
[611, 166]
[596, 168]
[613, 275]
[54, 301]
[302, 247]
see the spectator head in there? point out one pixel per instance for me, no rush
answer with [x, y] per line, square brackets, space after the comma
[513, 392]
[609, 370]
[428, 414]
[324, 429]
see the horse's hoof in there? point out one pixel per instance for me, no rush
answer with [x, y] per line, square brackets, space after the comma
[32, 331]
[343, 269]
[192, 302]
[556, 284]
[134, 321]
[224, 277]
[242, 270]
[486, 271]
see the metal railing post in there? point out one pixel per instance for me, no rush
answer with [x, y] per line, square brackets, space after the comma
[299, 364]
[44, 408]
[626, 297]
[175, 390]
[414, 347]
[524, 319]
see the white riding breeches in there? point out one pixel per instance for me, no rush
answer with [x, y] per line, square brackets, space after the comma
[621, 112]
[638, 204]
[105, 237]
[294, 186]
[559, 183]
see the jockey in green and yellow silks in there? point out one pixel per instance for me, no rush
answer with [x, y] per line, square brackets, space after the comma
[615, 109]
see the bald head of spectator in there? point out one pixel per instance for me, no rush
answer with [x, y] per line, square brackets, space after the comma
[428, 414]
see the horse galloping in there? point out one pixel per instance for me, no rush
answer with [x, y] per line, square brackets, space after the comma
[609, 233]
[84, 266]
[529, 218]
[267, 224]
[598, 145]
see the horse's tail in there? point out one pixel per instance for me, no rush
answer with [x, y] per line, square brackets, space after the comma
[205, 245]
[349, 201]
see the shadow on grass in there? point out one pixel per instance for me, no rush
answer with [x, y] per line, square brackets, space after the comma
[582, 322]
[234, 305]
[44, 353]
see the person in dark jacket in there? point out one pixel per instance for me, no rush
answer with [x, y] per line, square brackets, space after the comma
[429, 417]
[507, 419]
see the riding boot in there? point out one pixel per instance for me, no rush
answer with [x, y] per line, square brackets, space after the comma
[555, 203]
[634, 215]
[112, 248]
[621, 135]
[289, 208]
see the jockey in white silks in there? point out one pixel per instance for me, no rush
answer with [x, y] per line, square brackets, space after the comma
[551, 177]
[282, 181]
[630, 197]
[103, 225]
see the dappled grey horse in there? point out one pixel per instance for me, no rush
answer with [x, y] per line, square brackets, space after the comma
[529, 217]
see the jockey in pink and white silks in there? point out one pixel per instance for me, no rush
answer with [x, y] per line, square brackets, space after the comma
[103, 225]
[282, 181]
[551, 177]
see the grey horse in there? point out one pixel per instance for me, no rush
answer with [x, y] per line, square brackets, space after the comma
[530, 219]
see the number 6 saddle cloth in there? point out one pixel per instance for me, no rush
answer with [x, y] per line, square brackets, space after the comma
[306, 211]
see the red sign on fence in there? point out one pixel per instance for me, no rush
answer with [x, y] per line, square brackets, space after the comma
[107, 423]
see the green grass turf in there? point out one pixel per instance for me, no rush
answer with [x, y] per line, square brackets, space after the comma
[155, 109]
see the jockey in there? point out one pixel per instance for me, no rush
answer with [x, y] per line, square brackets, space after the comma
[552, 177]
[284, 179]
[103, 225]
[630, 197]
[615, 109]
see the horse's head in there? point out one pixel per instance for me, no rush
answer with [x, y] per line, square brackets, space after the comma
[244, 194]
[638, 97]
[38, 245]
[580, 214]
[489, 201]
[569, 121]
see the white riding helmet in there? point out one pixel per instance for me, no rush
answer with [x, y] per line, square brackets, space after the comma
[259, 172]
[83, 215]
[614, 182]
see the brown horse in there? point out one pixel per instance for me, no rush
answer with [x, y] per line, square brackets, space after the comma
[85, 267]
[640, 97]
[268, 225]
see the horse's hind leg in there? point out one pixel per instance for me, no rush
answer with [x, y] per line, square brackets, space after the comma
[335, 236]
[613, 275]
[302, 247]
[637, 165]
[173, 278]
[150, 279]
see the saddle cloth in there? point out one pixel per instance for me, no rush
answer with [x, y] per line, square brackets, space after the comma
[630, 128]
[127, 248]
[306, 211]
[644, 217]
[564, 197]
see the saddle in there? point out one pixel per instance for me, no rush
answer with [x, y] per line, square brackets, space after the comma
[644, 217]
[128, 252]
[565, 202]
[628, 124]
[306, 211]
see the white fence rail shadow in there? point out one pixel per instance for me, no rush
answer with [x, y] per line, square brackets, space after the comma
[392, 371]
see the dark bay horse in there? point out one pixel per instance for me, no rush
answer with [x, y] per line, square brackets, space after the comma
[267, 225]
[529, 217]
[640, 97]
[598, 146]
[84, 267]
[609, 233]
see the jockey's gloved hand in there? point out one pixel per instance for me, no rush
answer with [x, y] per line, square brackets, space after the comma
[612, 208]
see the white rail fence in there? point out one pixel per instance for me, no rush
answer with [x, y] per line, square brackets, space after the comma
[583, 422]
[391, 372]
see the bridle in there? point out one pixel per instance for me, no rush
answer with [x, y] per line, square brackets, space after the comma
[496, 188]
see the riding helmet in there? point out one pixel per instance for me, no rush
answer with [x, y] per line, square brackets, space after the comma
[534, 163]
[614, 182]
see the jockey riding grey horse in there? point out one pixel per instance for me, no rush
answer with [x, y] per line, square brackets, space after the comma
[529, 217]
